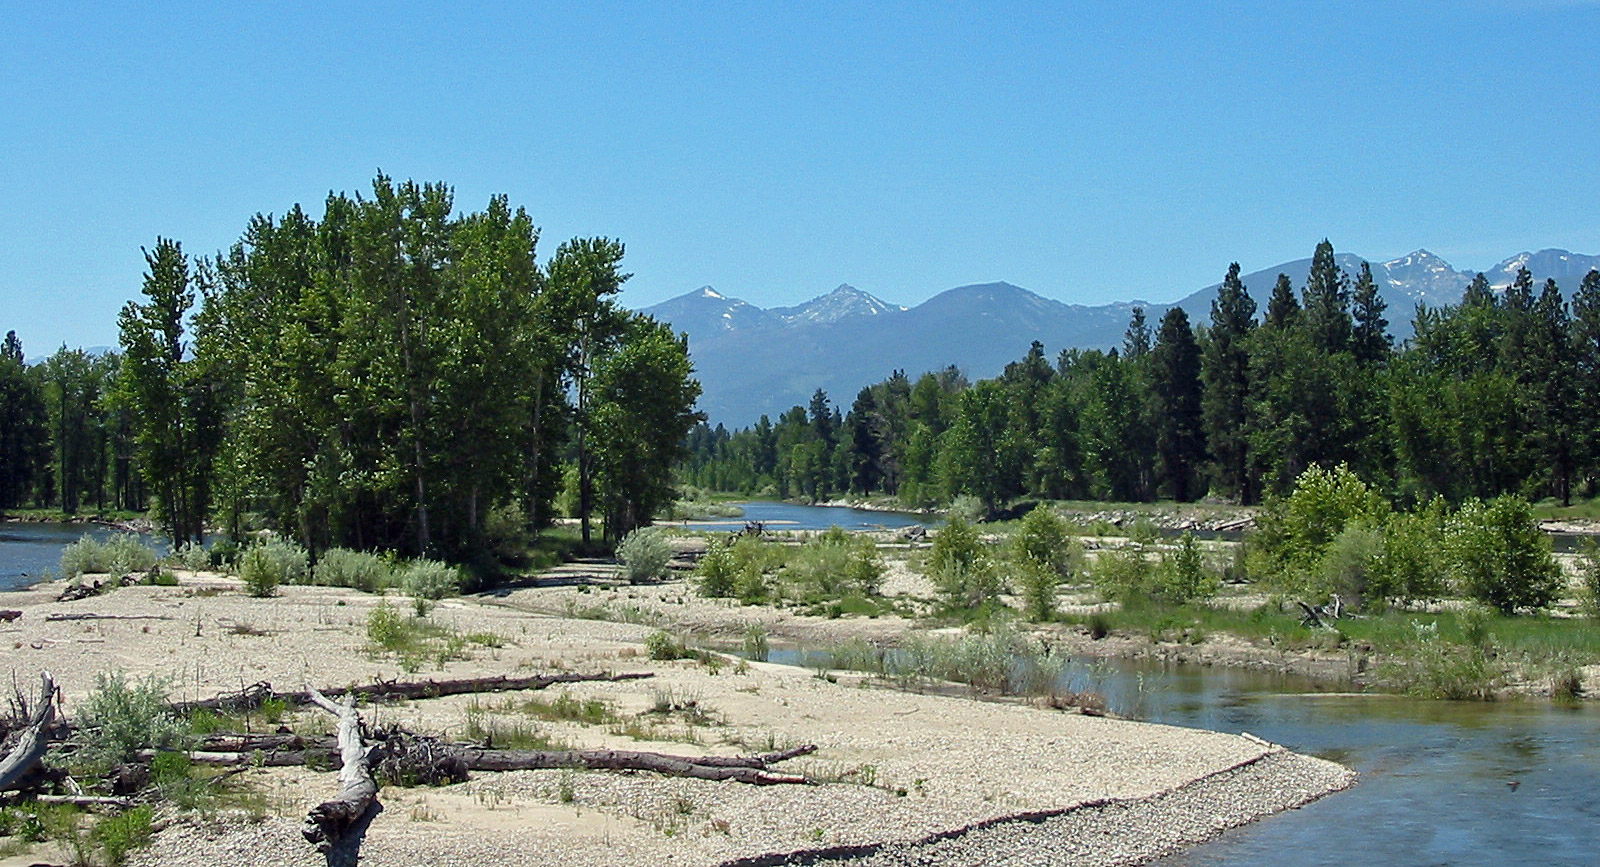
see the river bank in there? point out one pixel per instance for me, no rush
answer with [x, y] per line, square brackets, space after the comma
[909, 776]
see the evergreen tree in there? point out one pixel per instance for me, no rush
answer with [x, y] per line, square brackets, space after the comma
[1553, 371]
[1225, 375]
[1326, 300]
[1283, 310]
[1175, 379]
[1136, 340]
[1585, 345]
[24, 435]
[1370, 341]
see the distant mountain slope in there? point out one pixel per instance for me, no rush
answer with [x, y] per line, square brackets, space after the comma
[752, 361]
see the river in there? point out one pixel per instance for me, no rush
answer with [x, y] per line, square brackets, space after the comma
[28, 550]
[776, 515]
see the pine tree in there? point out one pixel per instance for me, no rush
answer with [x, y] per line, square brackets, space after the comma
[1283, 311]
[1585, 348]
[1327, 302]
[1225, 374]
[1136, 340]
[1370, 341]
[1175, 381]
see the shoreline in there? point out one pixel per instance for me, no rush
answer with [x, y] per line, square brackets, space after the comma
[912, 776]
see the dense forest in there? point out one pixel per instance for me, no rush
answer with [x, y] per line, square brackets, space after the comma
[394, 376]
[1497, 394]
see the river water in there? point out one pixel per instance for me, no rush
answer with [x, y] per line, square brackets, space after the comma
[28, 550]
[790, 516]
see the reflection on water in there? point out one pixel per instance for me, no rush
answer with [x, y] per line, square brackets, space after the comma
[1442, 782]
[791, 516]
[1455, 783]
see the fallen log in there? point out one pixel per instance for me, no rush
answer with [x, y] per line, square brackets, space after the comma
[18, 765]
[57, 617]
[388, 690]
[418, 758]
[326, 822]
[700, 768]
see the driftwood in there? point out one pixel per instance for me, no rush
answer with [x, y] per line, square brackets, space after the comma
[1320, 616]
[58, 617]
[9, 614]
[74, 592]
[18, 765]
[326, 822]
[407, 756]
[743, 769]
[252, 696]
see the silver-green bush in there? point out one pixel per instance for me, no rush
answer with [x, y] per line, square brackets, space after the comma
[644, 553]
[430, 579]
[117, 719]
[118, 555]
[342, 567]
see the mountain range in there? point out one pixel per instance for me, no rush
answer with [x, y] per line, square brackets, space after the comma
[753, 361]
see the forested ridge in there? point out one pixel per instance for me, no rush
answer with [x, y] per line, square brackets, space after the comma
[393, 376]
[1497, 394]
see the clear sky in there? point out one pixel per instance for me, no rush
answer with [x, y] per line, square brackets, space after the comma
[1088, 151]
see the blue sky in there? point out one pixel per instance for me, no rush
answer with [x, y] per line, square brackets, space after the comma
[1088, 151]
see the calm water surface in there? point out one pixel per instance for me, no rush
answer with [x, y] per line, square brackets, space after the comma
[790, 516]
[28, 550]
[1459, 783]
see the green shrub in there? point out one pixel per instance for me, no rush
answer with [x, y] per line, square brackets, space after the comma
[1589, 572]
[718, 571]
[1350, 562]
[967, 508]
[118, 719]
[260, 574]
[1500, 558]
[755, 642]
[192, 556]
[385, 627]
[123, 833]
[341, 567]
[661, 645]
[1123, 575]
[1183, 576]
[955, 545]
[834, 565]
[119, 555]
[644, 553]
[1295, 531]
[1043, 538]
[224, 554]
[1411, 566]
[266, 566]
[1038, 583]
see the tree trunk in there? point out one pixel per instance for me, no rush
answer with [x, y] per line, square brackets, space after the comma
[326, 822]
[30, 749]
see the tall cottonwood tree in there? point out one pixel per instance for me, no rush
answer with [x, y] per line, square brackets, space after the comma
[643, 407]
[176, 425]
[584, 277]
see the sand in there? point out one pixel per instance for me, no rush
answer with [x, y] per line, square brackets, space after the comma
[914, 778]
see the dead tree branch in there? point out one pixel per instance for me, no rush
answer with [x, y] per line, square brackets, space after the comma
[19, 763]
